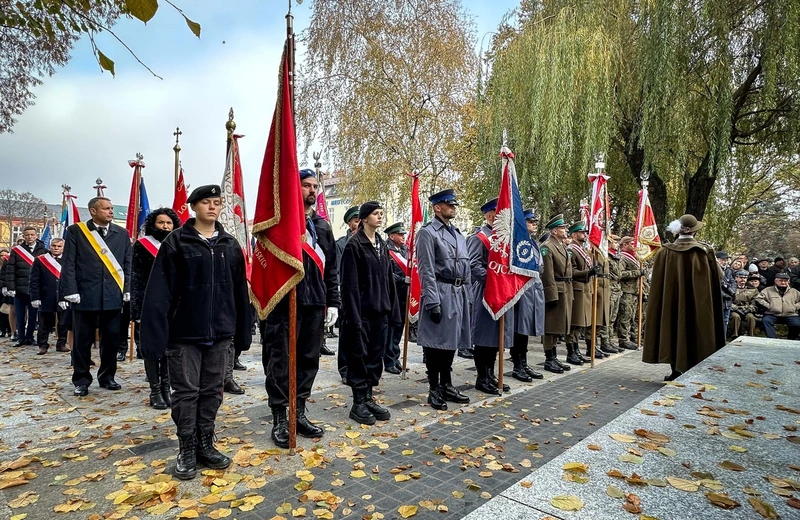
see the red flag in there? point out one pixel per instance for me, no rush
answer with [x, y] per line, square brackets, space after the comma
[645, 237]
[233, 215]
[132, 220]
[512, 262]
[416, 223]
[322, 205]
[598, 213]
[279, 223]
[179, 200]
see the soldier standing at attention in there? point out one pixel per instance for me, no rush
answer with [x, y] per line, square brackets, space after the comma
[485, 329]
[444, 322]
[630, 273]
[398, 253]
[557, 280]
[582, 272]
[528, 314]
[612, 293]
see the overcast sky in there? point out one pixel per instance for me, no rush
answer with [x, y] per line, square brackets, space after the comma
[86, 124]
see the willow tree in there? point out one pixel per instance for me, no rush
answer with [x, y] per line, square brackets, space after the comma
[383, 88]
[671, 87]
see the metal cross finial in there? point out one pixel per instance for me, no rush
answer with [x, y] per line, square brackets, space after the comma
[177, 133]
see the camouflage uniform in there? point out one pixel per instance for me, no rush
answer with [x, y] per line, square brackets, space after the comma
[629, 301]
[614, 274]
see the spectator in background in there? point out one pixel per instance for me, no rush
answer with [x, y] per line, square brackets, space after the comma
[743, 308]
[728, 284]
[737, 265]
[794, 272]
[781, 304]
[765, 271]
[743, 259]
[754, 281]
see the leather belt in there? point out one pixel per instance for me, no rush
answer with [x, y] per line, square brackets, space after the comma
[456, 282]
[562, 279]
[599, 275]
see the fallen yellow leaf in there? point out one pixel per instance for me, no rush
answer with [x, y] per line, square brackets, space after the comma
[407, 511]
[567, 502]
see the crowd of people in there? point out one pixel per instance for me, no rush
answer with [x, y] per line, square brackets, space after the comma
[184, 288]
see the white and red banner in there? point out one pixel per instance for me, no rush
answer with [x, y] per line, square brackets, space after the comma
[416, 223]
[233, 215]
[51, 264]
[151, 244]
[179, 204]
[646, 241]
[598, 213]
[69, 213]
[513, 262]
[24, 254]
[322, 205]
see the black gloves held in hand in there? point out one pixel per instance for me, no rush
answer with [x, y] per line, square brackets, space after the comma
[436, 314]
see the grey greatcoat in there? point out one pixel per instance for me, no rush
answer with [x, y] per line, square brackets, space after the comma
[529, 310]
[485, 330]
[442, 259]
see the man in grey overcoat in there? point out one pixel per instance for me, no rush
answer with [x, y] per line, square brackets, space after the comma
[528, 314]
[443, 264]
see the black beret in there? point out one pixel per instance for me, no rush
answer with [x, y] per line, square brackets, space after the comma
[367, 208]
[209, 191]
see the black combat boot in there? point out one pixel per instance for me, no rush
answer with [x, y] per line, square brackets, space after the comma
[166, 393]
[380, 413]
[151, 370]
[306, 428]
[359, 411]
[558, 362]
[448, 391]
[550, 362]
[186, 463]
[519, 372]
[572, 355]
[576, 348]
[598, 354]
[280, 427]
[490, 360]
[156, 399]
[523, 357]
[207, 454]
[482, 381]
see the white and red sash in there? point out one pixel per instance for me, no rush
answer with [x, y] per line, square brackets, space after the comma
[632, 258]
[24, 254]
[151, 244]
[582, 252]
[482, 236]
[401, 261]
[317, 255]
[51, 264]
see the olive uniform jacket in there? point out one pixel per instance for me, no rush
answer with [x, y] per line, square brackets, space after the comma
[581, 286]
[557, 281]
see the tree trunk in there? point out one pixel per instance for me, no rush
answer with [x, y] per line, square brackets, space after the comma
[699, 188]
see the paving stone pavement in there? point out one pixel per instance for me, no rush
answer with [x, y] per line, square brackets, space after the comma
[492, 443]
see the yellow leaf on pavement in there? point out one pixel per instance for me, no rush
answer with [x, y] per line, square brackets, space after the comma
[567, 502]
[407, 511]
[621, 437]
[189, 513]
[576, 466]
[21, 516]
[357, 473]
[683, 484]
[401, 478]
[219, 513]
[324, 514]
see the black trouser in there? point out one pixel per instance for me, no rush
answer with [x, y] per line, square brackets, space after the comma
[275, 352]
[391, 356]
[196, 374]
[47, 322]
[364, 369]
[233, 354]
[484, 357]
[26, 314]
[5, 324]
[84, 324]
[520, 346]
[439, 363]
[157, 371]
[124, 327]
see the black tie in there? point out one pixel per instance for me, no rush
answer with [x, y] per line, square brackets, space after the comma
[102, 232]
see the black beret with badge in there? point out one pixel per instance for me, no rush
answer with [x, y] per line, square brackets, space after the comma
[209, 191]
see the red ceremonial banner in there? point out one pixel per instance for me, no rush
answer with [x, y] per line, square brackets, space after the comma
[598, 213]
[233, 215]
[646, 241]
[132, 220]
[179, 200]
[279, 223]
[416, 223]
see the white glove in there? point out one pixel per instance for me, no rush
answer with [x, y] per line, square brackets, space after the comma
[11, 293]
[126, 297]
[5, 291]
[36, 304]
[331, 316]
[64, 305]
[73, 298]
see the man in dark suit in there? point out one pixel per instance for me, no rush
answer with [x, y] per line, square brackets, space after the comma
[94, 279]
[17, 280]
[45, 276]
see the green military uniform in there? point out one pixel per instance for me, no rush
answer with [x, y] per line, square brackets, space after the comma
[605, 306]
[630, 273]
[582, 295]
[743, 308]
[557, 281]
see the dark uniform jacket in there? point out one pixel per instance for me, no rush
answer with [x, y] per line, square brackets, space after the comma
[142, 262]
[582, 287]
[368, 290]
[314, 290]
[557, 280]
[83, 272]
[18, 272]
[44, 285]
[398, 274]
[728, 287]
[197, 293]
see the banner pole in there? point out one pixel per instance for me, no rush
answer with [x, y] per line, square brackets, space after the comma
[501, 352]
[130, 346]
[641, 294]
[406, 327]
[293, 294]
[594, 312]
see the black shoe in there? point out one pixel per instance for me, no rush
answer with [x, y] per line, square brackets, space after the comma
[673, 376]
[577, 350]
[359, 411]
[207, 454]
[232, 387]
[166, 393]
[280, 427]
[111, 385]
[186, 463]
[306, 428]
[486, 386]
[520, 374]
[237, 365]
[380, 413]
[436, 400]
[496, 382]
[81, 390]
[392, 369]
[451, 393]
[42, 351]
[607, 350]
[326, 351]
[530, 371]
[558, 362]
[120, 356]
[62, 348]
[628, 345]
[465, 353]
[598, 354]
[156, 398]
[572, 356]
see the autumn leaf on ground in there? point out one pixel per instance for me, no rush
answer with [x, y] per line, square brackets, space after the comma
[763, 508]
[722, 500]
[526, 484]
[567, 502]
[621, 437]
[633, 504]
[24, 499]
[594, 447]
[732, 466]
[407, 511]
[793, 502]
[614, 492]
[683, 484]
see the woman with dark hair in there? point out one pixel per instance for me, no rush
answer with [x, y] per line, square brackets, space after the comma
[369, 301]
[157, 226]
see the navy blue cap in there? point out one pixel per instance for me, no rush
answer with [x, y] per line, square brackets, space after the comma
[209, 191]
[306, 173]
[447, 196]
[489, 205]
[530, 214]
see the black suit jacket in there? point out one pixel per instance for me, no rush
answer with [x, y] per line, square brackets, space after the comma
[82, 271]
[44, 285]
